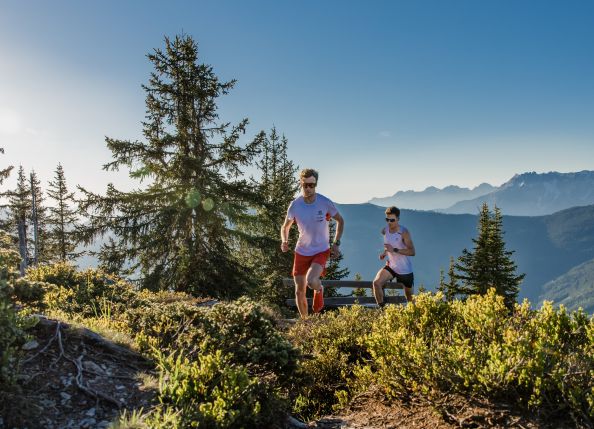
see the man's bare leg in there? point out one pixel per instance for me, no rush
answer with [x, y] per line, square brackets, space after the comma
[408, 294]
[381, 278]
[313, 276]
[300, 298]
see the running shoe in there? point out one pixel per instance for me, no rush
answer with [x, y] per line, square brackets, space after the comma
[318, 300]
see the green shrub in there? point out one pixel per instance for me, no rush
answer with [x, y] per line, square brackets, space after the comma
[332, 348]
[243, 329]
[538, 359]
[211, 392]
[11, 324]
[79, 292]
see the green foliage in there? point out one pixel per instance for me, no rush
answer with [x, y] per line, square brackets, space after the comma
[242, 329]
[80, 292]
[276, 188]
[178, 228]
[12, 325]
[333, 268]
[488, 265]
[62, 220]
[332, 345]
[210, 392]
[539, 359]
[234, 366]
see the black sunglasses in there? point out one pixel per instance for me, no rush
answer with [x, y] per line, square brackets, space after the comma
[390, 220]
[309, 185]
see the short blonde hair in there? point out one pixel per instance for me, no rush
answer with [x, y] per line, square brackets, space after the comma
[308, 172]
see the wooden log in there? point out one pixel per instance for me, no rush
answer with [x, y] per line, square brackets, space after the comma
[353, 284]
[345, 301]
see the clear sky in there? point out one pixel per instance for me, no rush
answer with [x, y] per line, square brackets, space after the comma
[379, 96]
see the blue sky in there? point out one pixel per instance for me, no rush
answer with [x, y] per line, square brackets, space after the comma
[379, 96]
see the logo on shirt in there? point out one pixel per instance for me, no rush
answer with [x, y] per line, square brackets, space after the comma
[320, 216]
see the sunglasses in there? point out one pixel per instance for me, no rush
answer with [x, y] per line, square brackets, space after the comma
[309, 185]
[390, 220]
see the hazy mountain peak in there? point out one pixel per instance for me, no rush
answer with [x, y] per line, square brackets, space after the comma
[432, 198]
[533, 194]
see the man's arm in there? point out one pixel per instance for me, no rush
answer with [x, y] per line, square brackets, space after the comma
[338, 234]
[410, 247]
[284, 233]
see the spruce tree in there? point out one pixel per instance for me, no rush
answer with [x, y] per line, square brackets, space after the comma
[4, 173]
[276, 187]
[449, 288]
[37, 221]
[503, 277]
[62, 220]
[333, 269]
[177, 229]
[19, 206]
[488, 265]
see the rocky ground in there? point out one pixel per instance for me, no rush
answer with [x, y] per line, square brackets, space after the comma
[74, 378]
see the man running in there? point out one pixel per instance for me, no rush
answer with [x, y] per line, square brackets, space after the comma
[312, 212]
[398, 247]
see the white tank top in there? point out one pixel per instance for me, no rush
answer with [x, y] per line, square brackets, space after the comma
[401, 264]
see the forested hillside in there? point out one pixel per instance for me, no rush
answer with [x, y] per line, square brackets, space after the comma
[545, 247]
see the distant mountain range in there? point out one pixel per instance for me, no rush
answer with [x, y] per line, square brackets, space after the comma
[533, 194]
[527, 194]
[433, 198]
[546, 247]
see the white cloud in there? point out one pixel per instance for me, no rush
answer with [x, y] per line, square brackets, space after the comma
[385, 134]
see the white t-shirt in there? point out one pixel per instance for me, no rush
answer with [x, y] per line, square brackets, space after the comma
[401, 264]
[312, 221]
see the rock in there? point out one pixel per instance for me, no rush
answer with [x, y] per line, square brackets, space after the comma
[91, 366]
[88, 423]
[120, 387]
[30, 345]
[292, 422]
[91, 412]
[65, 396]
[46, 403]
[103, 424]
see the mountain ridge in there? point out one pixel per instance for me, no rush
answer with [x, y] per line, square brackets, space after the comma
[535, 194]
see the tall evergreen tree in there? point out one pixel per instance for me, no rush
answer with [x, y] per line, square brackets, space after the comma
[504, 278]
[488, 265]
[333, 269]
[276, 187]
[37, 221]
[450, 288]
[19, 206]
[178, 230]
[62, 220]
[4, 173]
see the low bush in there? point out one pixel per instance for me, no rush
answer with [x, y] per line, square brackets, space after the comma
[243, 329]
[12, 326]
[212, 392]
[332, 344]
[79, 292]
[537, 359]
